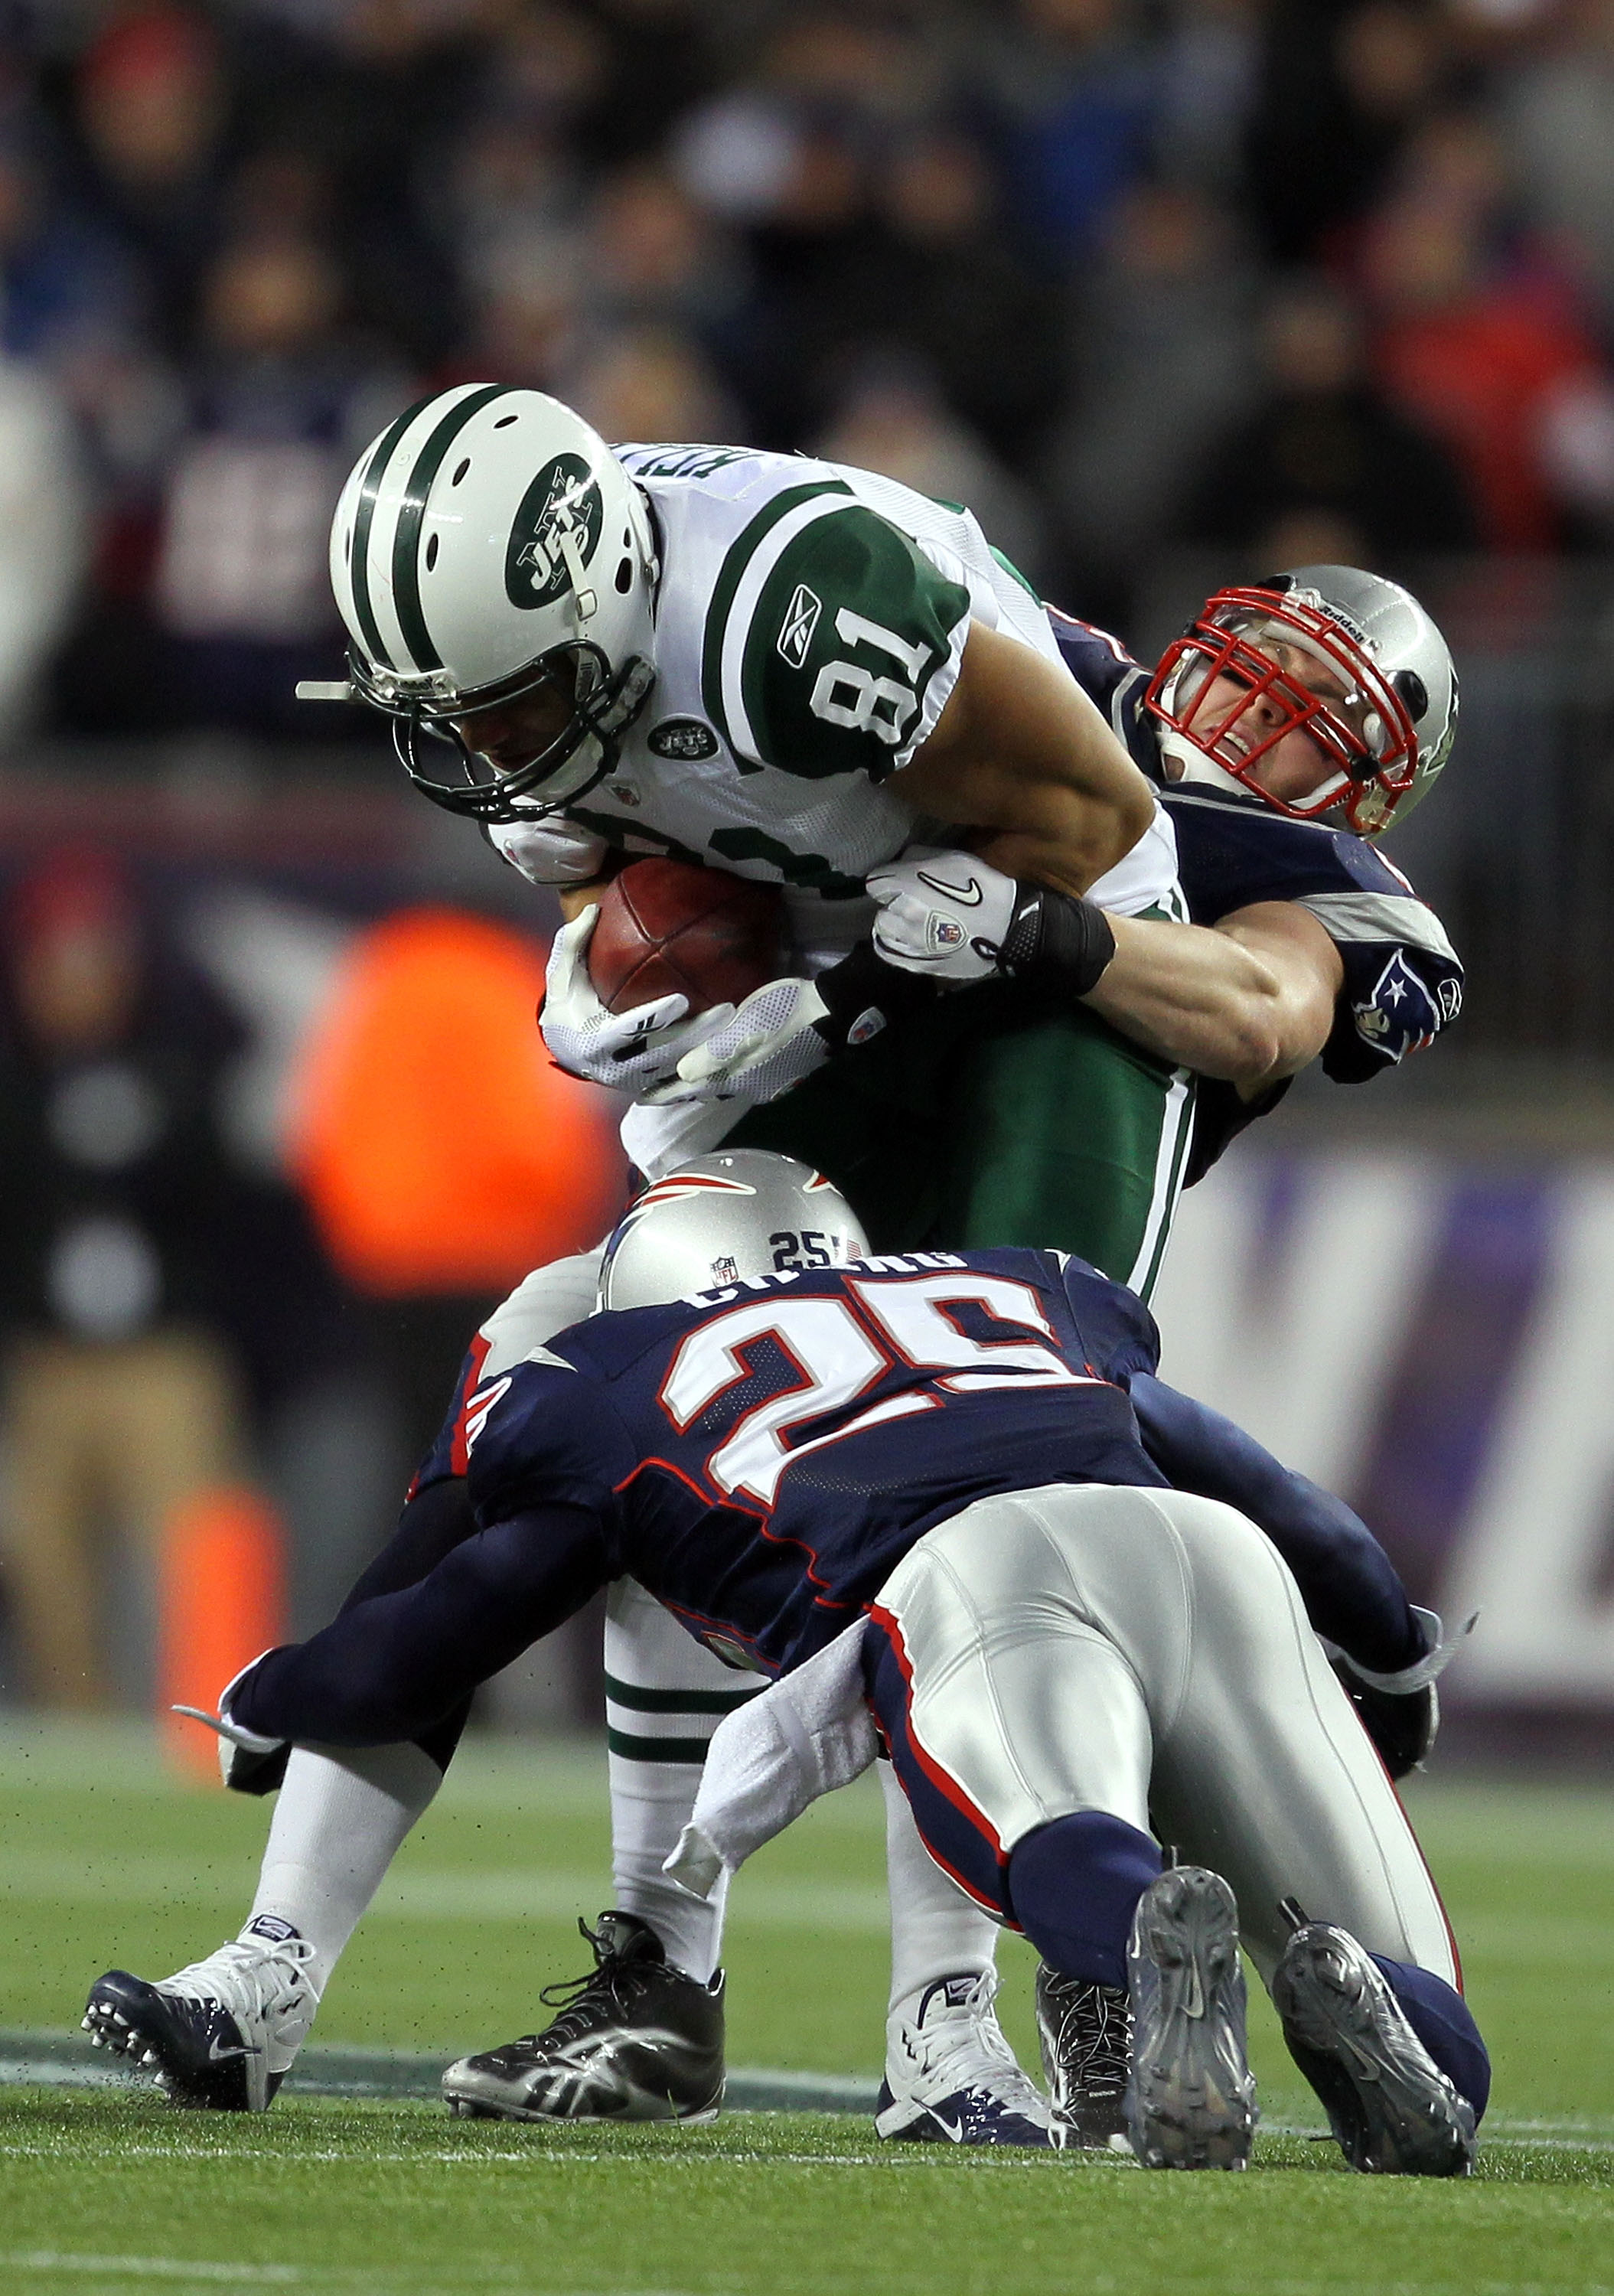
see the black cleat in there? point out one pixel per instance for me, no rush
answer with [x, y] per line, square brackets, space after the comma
[1085, 2032]
[220, 2034]
[1190, 2101]
[1392, 2109]
[635, 2040]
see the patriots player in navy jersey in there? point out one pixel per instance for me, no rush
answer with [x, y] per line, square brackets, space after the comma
[1293, 723]
[925, 1468]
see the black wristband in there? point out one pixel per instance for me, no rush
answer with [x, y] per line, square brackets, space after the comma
[864, 995]
[1056, 940]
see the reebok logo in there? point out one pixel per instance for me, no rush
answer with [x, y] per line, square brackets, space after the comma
[800, 620]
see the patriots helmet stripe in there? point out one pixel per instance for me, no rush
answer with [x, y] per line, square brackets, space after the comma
[723, 1220]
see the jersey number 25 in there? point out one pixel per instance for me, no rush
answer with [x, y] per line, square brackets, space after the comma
[837, 1358]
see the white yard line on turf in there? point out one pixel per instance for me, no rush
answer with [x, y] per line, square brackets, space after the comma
[277, 2276]
[148, 2267]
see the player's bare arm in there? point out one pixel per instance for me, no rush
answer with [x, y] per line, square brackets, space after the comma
[1250, 999]
[1020, 754]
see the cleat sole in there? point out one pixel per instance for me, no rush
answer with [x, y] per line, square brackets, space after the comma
[1392, 2110]
[1191, 2099]
[136, 2023]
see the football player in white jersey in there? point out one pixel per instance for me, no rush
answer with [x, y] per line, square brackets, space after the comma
[814, 677]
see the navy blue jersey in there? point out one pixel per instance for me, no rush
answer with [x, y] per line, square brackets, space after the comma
[761, 1457]
[1402, 981]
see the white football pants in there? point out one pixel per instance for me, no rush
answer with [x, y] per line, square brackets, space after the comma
[1146, 1653]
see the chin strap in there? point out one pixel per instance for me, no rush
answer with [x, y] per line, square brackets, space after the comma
[1442, 1649]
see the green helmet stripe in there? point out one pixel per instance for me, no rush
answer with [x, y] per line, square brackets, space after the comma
[360, 568]
[406, 534]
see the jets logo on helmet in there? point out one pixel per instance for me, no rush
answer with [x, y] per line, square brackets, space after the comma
[489, 553]
[561, 512]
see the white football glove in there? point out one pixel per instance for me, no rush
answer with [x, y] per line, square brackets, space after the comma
[551, 852]
[944, 914]
[628, 1051]
[759, 1050]
[242, 1753]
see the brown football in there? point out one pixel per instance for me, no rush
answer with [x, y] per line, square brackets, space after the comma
[669, 927]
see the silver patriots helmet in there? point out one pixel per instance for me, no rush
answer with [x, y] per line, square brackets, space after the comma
[722, 1218]
[1384, 740]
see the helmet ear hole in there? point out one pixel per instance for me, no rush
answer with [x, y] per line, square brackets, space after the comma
[1412, 690]
[625, 576]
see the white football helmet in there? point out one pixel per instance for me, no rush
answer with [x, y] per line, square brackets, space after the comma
[487, 545]
[1386, 740]
[720, 1219]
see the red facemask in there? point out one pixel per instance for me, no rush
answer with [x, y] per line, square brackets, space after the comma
[1373, 768]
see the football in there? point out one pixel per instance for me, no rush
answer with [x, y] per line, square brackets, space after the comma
[669, 927]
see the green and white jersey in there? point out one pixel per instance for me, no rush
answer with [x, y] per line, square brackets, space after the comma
[810, 620]
[810, 625]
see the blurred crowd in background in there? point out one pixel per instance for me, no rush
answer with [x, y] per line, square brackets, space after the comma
[1279, 278]
[1166, 290]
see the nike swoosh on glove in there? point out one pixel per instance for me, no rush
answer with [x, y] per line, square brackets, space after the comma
[630, 1051]
[757, 1050]
[942, 914]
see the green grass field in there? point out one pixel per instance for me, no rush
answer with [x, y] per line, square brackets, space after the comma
[104, 1860]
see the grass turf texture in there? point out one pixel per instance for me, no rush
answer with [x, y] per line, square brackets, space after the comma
[104, 1860]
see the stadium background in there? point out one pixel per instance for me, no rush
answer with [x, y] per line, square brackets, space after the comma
[1168, 294]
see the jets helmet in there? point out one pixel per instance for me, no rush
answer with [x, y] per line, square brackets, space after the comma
[486, 547]
[1384, 738]
[723, 1220]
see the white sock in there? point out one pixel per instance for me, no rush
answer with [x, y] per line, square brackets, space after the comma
[662, 1690]
[936, 1931]
[649, 1808]
[337, 1823]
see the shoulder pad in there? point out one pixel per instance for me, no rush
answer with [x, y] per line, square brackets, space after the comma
[1109, 676]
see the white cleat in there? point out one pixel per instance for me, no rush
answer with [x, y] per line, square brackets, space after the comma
[950, 2077]
[223, 2032]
